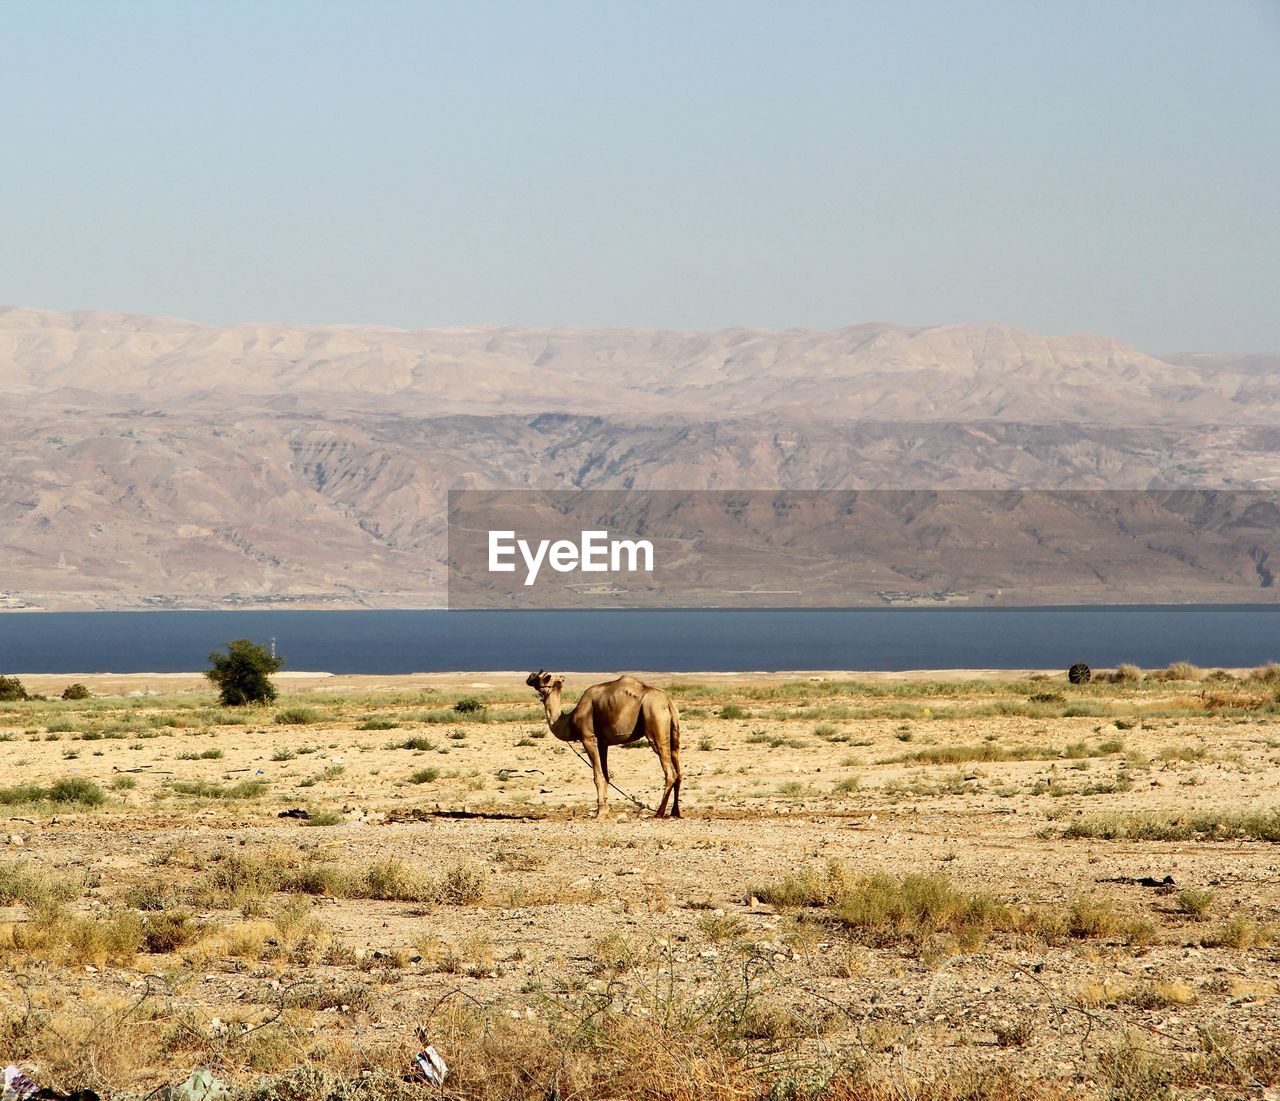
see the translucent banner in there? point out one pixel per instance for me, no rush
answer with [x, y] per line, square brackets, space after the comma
[850, 548]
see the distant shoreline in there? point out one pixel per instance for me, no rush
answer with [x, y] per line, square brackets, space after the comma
[507, 680]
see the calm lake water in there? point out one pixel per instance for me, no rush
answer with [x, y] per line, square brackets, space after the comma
[689, 641]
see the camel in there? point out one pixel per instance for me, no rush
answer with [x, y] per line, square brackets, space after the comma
[615, 713]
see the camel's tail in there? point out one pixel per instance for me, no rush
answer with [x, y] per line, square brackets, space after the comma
[675, 726]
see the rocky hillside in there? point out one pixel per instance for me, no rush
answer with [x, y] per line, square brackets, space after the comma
[156, 461]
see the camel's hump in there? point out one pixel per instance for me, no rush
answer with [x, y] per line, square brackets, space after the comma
[632, 686]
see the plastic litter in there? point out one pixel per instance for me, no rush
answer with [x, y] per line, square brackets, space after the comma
[294, 812]
[432, 1066]
[200, 1086]
[17, 1086]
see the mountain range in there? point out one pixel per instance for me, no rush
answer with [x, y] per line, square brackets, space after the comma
[155, 462]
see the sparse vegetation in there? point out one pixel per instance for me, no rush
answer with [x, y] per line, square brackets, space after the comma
[1225, 825]
[70, 790]
[209, 789]
[700, 972]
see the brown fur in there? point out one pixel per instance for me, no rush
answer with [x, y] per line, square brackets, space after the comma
[614, 713]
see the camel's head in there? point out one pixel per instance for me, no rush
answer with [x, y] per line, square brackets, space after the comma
[544, 683]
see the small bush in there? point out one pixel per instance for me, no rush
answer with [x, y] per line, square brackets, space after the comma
[167, 932]
[236, 877]
[378, 722]
[1014, 1034]
[614, 954]
[76, 789]
[76, 692]
[391, 880]
[318, 879]
[468, 705]
[1237, 932]
[461, 885]
[67, 726]
[732, 711]
[1183, 670]
[1196, 904]
[425, 776]
[419, 743]
[208, 789]
[25, 882]
[1089, 919]
[297, 716]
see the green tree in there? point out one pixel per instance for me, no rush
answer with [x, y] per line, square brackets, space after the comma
[243, 673]
[11, 689]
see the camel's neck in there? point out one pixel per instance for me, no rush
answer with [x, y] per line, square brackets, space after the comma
[556, 719]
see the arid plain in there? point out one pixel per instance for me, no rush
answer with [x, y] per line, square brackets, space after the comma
[943, 885]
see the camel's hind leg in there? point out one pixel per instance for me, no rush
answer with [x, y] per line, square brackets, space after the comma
[675, 761]
[666, 743]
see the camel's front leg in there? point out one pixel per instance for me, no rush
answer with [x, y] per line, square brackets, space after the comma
[595, 755]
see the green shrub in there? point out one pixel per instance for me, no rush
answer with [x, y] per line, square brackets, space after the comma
[76, 789]
[72, 789]
[208, 789]
[76, 692]
[297, 716]
[11, 689]
[1195, 903]
[243, 673]
[66, 726]
[468, 705]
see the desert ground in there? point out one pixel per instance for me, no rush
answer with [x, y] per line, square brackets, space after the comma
[955, 884]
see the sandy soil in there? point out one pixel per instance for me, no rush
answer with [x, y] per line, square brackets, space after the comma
[777, 789]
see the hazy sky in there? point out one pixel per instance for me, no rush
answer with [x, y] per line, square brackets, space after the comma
[1060, 165]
